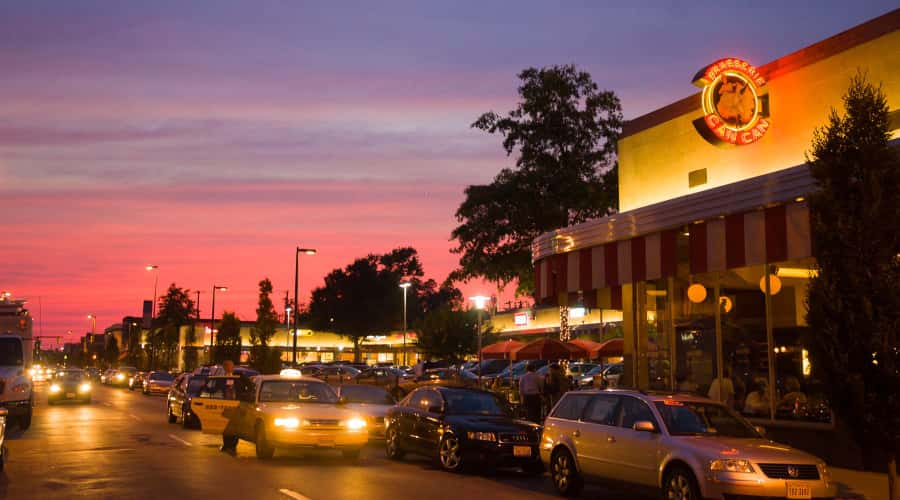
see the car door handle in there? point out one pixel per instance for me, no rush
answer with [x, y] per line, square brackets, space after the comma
[610, 439]
[198, 403]
[576, 434]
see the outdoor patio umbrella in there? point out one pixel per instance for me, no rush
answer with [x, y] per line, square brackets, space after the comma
[549, 349]
[587, 345]
[608, 349]
[501, 350]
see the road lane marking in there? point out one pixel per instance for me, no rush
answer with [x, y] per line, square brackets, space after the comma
[132, 415]
[292, 494]
[182, 441]
[107, 403]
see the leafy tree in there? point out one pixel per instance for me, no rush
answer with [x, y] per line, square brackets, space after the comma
[228, 339]
[564, 131]
[364, 298]
[449, 334]
[854, 304]
[111, 350]
[176, 309]
[262, 356]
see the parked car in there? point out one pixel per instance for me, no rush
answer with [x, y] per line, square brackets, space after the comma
[370, 401]
[388, 378]
[488, 367]
[460, 427]
[609, 374]
[184, 388]
[136, 381]
[686, 446]
[440, 376]
[107, 377]
[92, 373]
[70, 385]
[575, 370]
[518, 369]
[280, 411]
[158, 382]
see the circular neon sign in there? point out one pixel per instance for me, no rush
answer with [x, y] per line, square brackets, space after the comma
[734, 101]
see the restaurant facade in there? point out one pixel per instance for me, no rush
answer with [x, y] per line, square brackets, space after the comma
[705, 266]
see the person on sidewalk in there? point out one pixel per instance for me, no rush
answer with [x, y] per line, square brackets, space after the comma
[530, 392]
[229, 439]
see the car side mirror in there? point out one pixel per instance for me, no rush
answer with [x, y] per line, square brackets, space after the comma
[761, 430]
[644, 426]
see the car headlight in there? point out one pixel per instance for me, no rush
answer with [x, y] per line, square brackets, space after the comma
[85, 387]
[120, 377]
[482, 436]
[55, 388]
[287, 423]
[730, 465]
[355, 424]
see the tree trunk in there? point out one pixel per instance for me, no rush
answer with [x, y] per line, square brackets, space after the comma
[893, 487]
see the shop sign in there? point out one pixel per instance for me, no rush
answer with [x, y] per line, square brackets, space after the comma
[521, 319]
[735, 103]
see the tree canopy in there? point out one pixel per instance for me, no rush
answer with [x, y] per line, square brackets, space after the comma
[854, 304]
[564, 131]
[364, 298]
[228, 339]
[448, 333]
[176, 309]
[262, 357]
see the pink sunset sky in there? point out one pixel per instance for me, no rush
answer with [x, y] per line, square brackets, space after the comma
[210, 138]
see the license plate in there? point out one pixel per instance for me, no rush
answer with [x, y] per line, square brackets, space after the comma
[70, 395]
[795, 490]
[521, 451]
[328, 443]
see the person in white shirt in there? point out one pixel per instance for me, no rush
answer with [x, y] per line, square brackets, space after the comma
[725, 393]
[530, 392]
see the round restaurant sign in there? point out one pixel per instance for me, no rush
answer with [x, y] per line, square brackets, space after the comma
[735, 104]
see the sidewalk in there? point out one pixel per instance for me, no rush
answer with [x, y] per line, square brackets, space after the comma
[856, 485]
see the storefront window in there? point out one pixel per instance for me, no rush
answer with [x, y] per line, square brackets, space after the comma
[658, 344]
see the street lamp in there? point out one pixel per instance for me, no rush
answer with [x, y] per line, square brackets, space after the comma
[155, 270]
[304, 251]
[212, 319]
[93, 319]
[404, 286]
[480, 301]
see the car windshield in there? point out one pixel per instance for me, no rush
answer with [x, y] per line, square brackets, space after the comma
[366, 394]
[195, 384]
[703, 419]
[71, 375]
[594, 371]
[161, 376]
[296, 391]
[474, 403]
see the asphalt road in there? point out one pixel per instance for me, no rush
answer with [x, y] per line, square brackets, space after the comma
[120, 446]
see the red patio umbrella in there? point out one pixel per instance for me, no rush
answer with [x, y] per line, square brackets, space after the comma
[587, 345]
[549, 349]
[608, 349]
[501, 350]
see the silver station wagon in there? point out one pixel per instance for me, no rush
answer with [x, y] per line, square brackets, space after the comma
[688, 447]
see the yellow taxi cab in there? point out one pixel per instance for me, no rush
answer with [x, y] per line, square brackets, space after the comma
[280, 411]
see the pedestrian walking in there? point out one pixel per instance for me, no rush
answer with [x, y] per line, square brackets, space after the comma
[557, 385]
[530, 392]
[229, 439]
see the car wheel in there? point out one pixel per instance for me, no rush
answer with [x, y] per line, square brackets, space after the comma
[25, 421]
[392, 443]
[564, 475]
[263, 449]
[680, 484]
[351, 454]
[185, 418]
[172, 417]
[449, 453]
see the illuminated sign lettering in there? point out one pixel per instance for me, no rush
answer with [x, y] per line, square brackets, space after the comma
[521, 319]
[735, 103]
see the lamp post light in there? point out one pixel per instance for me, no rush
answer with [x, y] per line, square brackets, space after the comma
[212, 319]
[480, 301]
[155, 270]
[405, 286]
[304, 251]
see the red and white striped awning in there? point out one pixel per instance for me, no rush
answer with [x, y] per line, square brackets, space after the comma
[775, 234]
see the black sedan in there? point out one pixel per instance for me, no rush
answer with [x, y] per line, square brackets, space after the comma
[70, 385]
[460, 427]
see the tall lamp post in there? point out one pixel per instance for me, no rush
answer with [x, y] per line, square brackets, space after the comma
[212, 319]
[155, 270]
[305, 251]
[405, 286]
[480, 301]
[93, 319]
